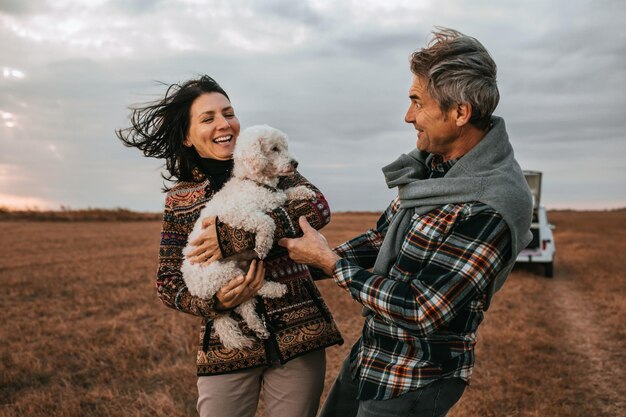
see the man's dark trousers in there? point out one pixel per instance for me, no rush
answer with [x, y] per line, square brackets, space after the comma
[433, 400]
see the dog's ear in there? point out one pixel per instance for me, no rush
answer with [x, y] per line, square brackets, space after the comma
[257, 160]
[251, 160]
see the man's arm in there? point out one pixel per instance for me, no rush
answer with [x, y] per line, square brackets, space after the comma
[460, 269]
[363, 250]
[444, 277]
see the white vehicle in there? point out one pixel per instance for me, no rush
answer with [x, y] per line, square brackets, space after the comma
[541, 249]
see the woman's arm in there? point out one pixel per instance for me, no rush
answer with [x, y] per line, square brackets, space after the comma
[171, 287]
[316, 211]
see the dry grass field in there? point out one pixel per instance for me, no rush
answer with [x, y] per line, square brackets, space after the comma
[83, 333]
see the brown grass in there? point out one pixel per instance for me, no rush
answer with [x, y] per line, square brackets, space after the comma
[66, 214]
[84, 334]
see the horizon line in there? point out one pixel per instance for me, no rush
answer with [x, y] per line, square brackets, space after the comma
[67, 208]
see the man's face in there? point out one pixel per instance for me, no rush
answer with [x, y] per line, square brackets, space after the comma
[437, 131]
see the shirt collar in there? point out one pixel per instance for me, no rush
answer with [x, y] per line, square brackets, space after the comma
[439, 168]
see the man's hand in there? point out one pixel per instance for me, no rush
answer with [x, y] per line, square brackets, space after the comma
[207, 250]
[311, 249]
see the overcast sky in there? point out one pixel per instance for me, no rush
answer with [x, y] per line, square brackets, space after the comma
[331, 74]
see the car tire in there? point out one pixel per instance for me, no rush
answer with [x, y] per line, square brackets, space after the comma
[548, 269]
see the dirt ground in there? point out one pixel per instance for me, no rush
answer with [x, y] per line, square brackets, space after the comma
[83, 333]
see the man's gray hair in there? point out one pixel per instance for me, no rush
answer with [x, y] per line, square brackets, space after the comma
[458, 69]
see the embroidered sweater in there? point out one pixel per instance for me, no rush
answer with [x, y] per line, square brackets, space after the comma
[299, 322]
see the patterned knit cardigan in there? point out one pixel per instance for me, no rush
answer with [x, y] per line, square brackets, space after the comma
[299, 322]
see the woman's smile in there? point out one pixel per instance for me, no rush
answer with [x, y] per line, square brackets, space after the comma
[213, 127]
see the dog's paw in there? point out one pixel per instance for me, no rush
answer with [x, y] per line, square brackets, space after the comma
[272, 290]
[264, 240]
[262, 334]
[300, 193]
[261, 251]
[237, 343]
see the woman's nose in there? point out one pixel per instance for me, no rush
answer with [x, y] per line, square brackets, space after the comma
[222, 122]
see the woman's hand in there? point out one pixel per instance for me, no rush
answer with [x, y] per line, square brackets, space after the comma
[208, 249]
[241, 289]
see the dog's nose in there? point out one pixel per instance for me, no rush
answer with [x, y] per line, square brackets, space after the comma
[294, 163]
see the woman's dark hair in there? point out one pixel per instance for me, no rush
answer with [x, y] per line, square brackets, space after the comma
[160, 128]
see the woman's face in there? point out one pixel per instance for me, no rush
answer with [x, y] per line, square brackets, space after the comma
[213, 127]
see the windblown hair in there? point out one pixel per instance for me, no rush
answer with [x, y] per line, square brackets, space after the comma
[160, 128]
[458, 69]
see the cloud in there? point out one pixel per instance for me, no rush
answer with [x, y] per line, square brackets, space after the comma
[333, 75]
[291, 11]
[136, 7]
[20, 7]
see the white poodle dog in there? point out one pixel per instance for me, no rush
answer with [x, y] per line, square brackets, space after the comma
[260, 157]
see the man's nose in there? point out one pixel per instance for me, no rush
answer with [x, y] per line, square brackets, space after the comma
[408, 117]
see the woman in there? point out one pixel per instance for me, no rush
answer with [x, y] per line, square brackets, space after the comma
[194, 128]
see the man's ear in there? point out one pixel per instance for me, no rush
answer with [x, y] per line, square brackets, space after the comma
[463, 113]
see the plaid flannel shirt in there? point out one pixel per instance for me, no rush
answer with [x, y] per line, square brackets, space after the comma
[425, 312]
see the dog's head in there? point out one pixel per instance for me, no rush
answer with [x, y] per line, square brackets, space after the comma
[261, 154]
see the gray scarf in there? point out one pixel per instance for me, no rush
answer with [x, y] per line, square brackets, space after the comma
[488, 173]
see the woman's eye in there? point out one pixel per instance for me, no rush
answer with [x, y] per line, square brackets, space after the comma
[207, 120]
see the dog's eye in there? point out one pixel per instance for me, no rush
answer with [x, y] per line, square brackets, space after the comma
[275, 149]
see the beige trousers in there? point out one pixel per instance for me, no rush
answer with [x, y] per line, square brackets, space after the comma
[289, 390]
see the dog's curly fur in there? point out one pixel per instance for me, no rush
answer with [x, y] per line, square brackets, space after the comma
[261, 156]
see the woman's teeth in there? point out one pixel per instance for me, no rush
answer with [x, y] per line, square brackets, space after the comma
[223, 139]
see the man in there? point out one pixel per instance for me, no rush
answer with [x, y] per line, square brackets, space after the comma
[439, 251]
